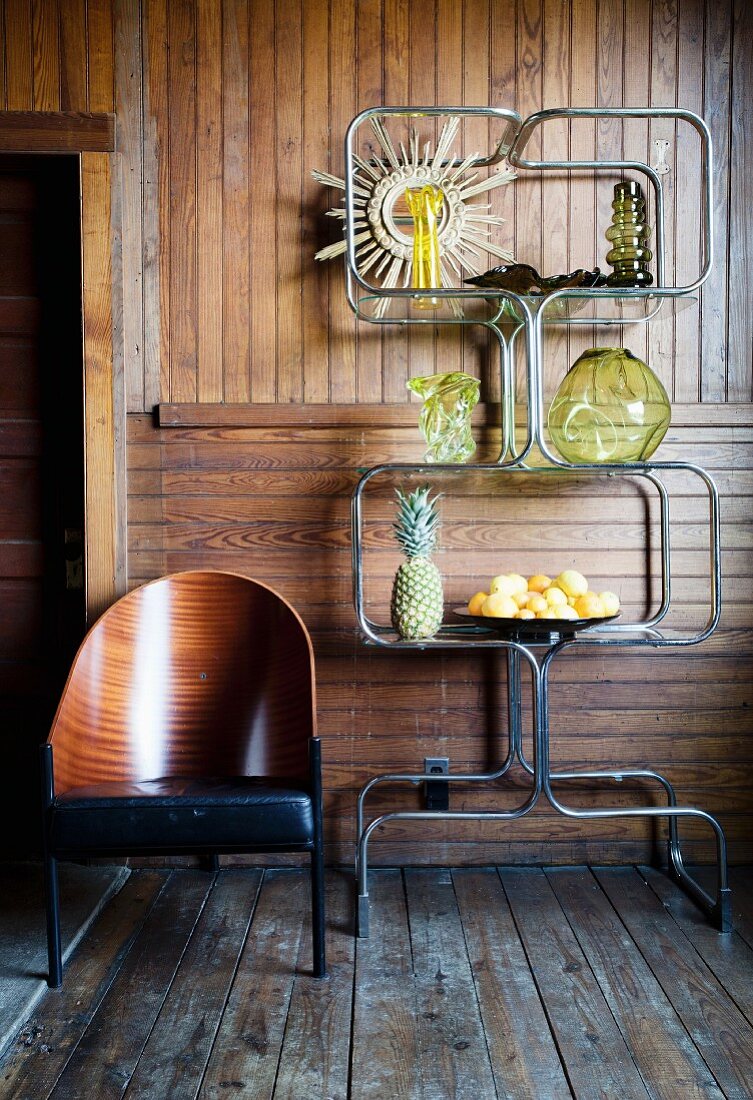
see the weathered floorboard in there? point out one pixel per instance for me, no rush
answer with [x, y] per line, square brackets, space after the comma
[514, 1019]
[668, 1062]
[715, 1024]
[597, 1057]
[108, 1053]
[180, 1043]
[483, 983]
[53, 1033]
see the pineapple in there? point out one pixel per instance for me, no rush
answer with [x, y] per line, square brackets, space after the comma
[417, 597]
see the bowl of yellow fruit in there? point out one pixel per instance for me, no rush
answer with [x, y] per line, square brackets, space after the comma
[540, 606]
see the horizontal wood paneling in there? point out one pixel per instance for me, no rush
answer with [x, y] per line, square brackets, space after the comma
[273, 502]
[59, 132]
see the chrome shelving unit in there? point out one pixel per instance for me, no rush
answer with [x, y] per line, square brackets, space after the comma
[527, 317]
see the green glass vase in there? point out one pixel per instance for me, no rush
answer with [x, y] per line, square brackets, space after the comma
[445, 418]
[610, 407]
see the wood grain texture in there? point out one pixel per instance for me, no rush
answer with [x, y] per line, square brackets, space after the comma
[583, 1026]
[665, 1056]
[201, 633]
[120, 1031]
[56, 132]
[33, 1068]
[210, 495]
[104, 488]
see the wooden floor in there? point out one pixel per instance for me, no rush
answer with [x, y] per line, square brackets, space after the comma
[476, 983]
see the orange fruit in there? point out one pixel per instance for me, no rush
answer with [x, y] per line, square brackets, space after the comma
[499, 606]
[589, 606]
[476, 602]
[538, 582]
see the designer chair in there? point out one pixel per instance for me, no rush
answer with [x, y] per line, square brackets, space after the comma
[187, 725]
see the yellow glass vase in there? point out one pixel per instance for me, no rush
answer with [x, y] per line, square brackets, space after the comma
[445, 418]
[425, 205]
[610, 407]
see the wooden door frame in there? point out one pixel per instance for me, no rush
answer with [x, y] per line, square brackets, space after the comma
[92, 138]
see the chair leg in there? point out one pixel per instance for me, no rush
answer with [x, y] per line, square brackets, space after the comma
[54, 953]
[317, 911]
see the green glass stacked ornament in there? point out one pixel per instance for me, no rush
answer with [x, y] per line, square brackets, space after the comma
[629, 235]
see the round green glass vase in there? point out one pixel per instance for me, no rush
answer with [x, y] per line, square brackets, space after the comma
[610, 407]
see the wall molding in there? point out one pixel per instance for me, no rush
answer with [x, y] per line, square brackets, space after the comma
[285, 415]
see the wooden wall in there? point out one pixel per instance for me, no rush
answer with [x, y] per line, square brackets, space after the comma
[224, 107]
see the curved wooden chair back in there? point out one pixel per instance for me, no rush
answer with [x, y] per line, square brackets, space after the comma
[195, 674]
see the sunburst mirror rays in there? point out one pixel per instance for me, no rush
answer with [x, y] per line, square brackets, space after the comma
[383, 227]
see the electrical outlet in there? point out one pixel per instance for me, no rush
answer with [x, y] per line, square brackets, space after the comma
[437, 765]
[437, 792]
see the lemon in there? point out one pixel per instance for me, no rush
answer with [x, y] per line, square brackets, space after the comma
[522, 598]
[524, 613]
[537, 603]
[572, 583]
[550, 613]
[476, 602]
[566, 612]
[538, 582]
[590, 606]
[521, 584]
[611, 602]
[499, 606]
[503, 584]
[555, 596]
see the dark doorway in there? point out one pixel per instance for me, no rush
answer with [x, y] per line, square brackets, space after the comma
[41, 469]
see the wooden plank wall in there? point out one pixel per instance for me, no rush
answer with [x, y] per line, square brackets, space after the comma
[224, 107]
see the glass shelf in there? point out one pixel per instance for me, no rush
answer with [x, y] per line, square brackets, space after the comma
[602, 307]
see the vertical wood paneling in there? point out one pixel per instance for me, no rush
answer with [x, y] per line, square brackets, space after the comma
[288, 88]
[18, 56]
[46, 55]
[130, 145]
[663, 94]
[422, 85]
[99, 17]
[73, 56]
[396, 91]
[209, 211]
[263, 203]
[3, 62]
[716, 111]
[556, 198]
[583, 229]
[480, 350]
[316, 146]
[449, 345]
[636, 83]
[182, 123]
[101, 444]
[687, 374]
[740, 219]
[156, 223]
[238, 259]
[609, 44]
[342, 83]
[528, 204]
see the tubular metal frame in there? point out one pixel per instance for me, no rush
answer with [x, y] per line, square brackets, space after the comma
[539, 655]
